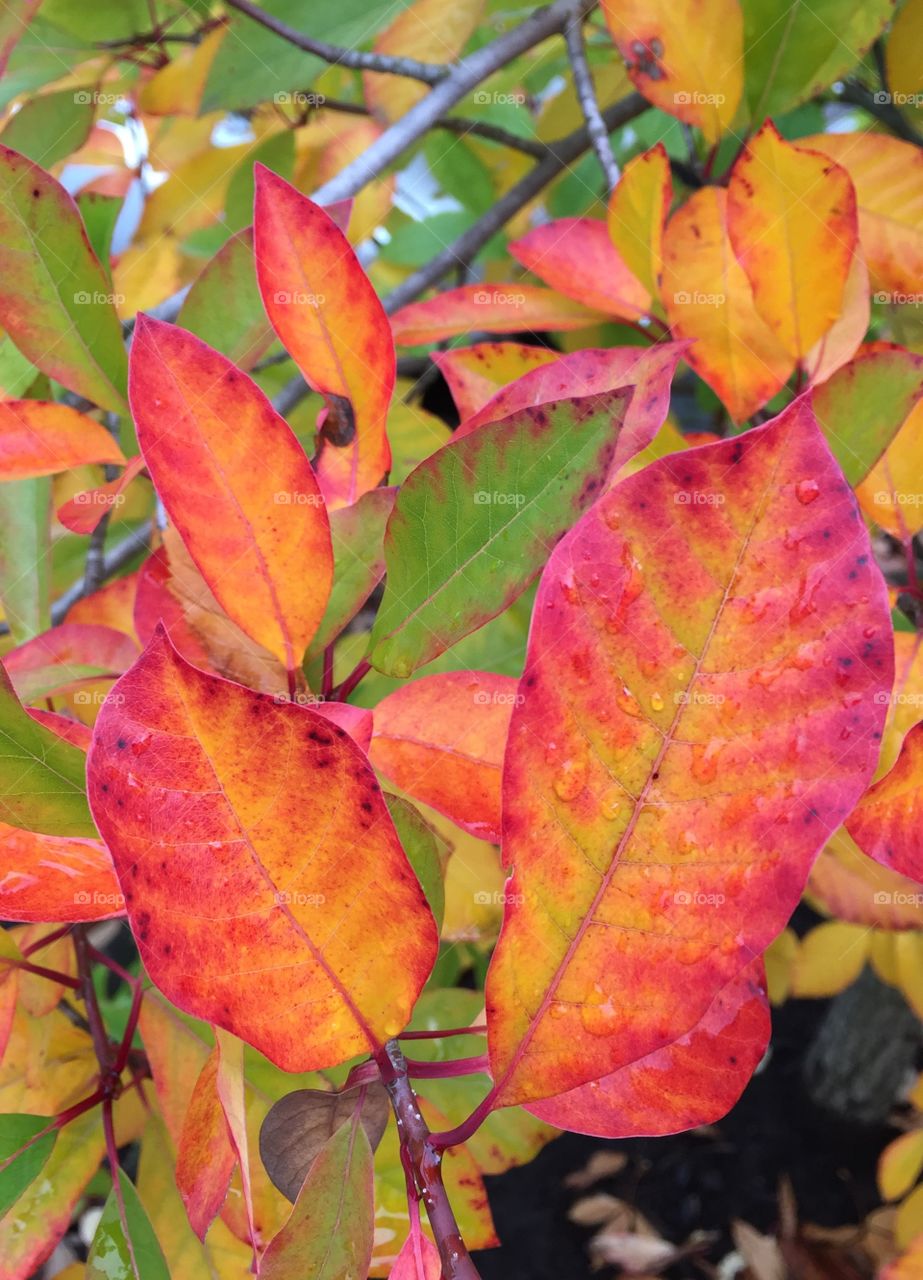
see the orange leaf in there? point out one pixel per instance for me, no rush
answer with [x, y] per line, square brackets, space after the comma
[490, 308]
[66, 657]
[475, 374]
[257, 857]
[577, 257]
[441, 739]
[428, 30]
[695, 1080]
[323, 307]
[851, 887]
[685, 56]
[844, 337]
[205, 1157]
[888, 821]
[791, 216]
[58, 879]
[417, 1260]
[708, 298]
[39, 439]
[83, 512]
[638, 209]
[662, 837]
[237, 485]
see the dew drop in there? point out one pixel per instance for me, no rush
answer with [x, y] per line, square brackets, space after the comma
[570, 778]
[611, 804]
[656, 701]
[806, 491]
[626, 701]
[598, 1012]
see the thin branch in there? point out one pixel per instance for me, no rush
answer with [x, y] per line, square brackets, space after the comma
[560, 155]
[459, 125]
[428, 72]
[858, 95]
[121, 554]
[586, 96]
[464, 77]
[424, 1165]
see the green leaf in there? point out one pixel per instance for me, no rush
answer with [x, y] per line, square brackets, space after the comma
[48, 128]
[357, 532]
[460, 172]
[224, 307]
[253, 64]
[100, 214]
[794, 50]
[42, 777]
[16, 372]
[15, 1132]
[55, 298]
[329, 1233]
[862, 406]
[474, 523]
[422, 846]
[117, 1255]
[25, 560]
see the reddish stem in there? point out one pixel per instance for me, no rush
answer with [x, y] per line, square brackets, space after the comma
[437, 1035]
[48, 939]
[444, 1070]
[462, 1132]
[53, 975]
[327, 678]
[349, 684]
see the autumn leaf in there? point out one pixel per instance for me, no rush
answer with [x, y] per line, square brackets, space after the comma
[578, 259]
[56, 878]
[791, 217]
[39, 439]
[441, 739]
[326, 313]
[637, 214]
[646, 833]
[685, 57]
[289, 911]
[224, 307]
[475, 374]
[708, 298]
[490, 308]
[500, 496]
[237, 485]
[886, 822]
[205, 1157]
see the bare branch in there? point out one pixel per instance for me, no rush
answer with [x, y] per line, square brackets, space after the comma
[461, 126]
[121, 554]
[428, 72]
[586, 96]
[464, 77]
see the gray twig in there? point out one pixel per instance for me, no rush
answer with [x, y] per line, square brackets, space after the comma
[586, 96]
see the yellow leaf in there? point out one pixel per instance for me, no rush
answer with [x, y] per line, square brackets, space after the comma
[888, 176]
[707, 297]
[909, 1221]
[900, 1165]
[177, 88]
[883, 956]
[638, 209]
[193, 195]
[792, 222]
[429, 31]
[903, 66]
[145, 274]
[908, 954]
[562, 114]
[844, 337]
[892, 493]
[780, 959]
[830, 957]
[685, 56]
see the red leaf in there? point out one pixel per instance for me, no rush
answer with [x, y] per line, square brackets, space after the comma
[56, 879]
[887, 823]
[577, 257]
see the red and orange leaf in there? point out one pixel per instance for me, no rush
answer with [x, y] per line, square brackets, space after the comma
[156, 604]
[659, 839]
[66, 657]
[205, 1157]
[791, 216]
[323, 307]
[488, 308]
[40, 439]
[843, 339]
[638, 209]
[685, 56]
[707, 298]
[256, 856]
[58, 879]
[887, 823]
[693, 1081]
[237, 485]
[577, 257]
[441, 740]
[596, 372]
[476, 374]
[357, 721]
[110, 606]
[429, 31]
[850, 887]
[72, 731]
[83, 512]
[417, 1260]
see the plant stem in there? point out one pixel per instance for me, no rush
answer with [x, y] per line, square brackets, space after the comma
[341, 693]
[437, 1035]
[53, 975]
[428, 72]
[462, 1132]
[445, 1070]
[586, 96]
[423, 1165]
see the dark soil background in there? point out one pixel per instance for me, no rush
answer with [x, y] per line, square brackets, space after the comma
[699, 1180]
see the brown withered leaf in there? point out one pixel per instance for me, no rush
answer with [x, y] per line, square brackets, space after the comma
[298, 1125]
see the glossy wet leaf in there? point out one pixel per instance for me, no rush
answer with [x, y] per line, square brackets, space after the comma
[659, 839]
[56, 301]
[486, 509]
[237, 485]
[293, 914]
[125, 1250]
